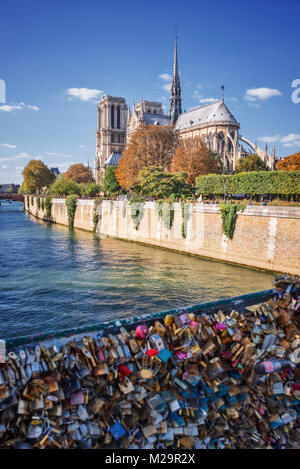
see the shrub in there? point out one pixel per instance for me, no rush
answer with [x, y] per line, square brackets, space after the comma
[64, 187]
[48, 205]
[252, 183]
[165, 211]
[71, 203]
[137, 210]
[229, 216]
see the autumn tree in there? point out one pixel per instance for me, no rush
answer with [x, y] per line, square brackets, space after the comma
[150, 145]
[36, 176]
[289, 163]
[79, 173]
[195, 159]
[251, 163]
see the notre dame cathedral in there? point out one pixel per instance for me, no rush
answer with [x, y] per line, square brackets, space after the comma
[214, 123]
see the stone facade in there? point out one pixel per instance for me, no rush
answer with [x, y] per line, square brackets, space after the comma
[111, 132]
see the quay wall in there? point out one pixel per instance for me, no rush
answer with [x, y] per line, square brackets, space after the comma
[265, 237]
[83, 216]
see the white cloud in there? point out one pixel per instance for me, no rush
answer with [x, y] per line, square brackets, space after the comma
[207, 100]
[270, 139]
[4, 166]
[17, 107]
[167, 87]
[82, 146]
[19, 156]
[7, 145]
[84, 94]
[22, 155]
[33, 108]
[290, 140]
[256, 94]
[165, 76]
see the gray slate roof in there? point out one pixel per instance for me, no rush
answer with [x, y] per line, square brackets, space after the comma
[216, 112]
[113, 159]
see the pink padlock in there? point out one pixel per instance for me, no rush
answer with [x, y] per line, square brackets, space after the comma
[101, 355]
[141, 331]
[220, 326]
[194, 325]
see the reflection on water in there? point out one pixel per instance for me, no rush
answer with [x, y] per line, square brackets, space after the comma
[52, 278]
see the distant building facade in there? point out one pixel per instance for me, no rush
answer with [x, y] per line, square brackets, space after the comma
[6, 188]
[213, 123]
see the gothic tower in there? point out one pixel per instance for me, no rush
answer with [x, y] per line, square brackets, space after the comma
[111, 131]
[175, 99]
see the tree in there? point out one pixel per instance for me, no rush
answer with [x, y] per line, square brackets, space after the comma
[79, 173]
[289, 163]
[158, 183]
[36, 176]
[111, 184]
[251, 163]
[89, 190]
[195, 159]
[62, 187]
[150, 145]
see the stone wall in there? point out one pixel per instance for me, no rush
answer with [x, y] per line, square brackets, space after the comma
[83, 216]
[265, 237]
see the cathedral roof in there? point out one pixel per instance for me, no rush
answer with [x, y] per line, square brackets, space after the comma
[113, 159]
[216, 112]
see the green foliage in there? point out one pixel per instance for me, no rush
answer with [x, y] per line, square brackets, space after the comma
[21, 189]
[229, 216]
[137, 210]
[48, 205]
[32, 200]
[43, 204]
[64, 187]
[165, 211]
[183, 233]
[95, 220]
[157, 183]
[71, 203]
[111, 185]
[251, 163]
[38, 202]
[90, 189]
[252, 183]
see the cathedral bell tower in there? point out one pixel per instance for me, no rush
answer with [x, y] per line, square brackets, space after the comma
[175, 98]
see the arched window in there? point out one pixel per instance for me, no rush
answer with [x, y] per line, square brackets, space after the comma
[118, 118]
[112, 117]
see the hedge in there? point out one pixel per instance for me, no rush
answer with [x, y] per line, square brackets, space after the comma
[252, 183]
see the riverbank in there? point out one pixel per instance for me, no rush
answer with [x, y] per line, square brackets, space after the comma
[265, 237]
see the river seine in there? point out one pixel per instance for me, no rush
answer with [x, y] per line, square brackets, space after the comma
[52, 278]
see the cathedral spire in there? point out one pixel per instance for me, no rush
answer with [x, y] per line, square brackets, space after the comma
[175, 98]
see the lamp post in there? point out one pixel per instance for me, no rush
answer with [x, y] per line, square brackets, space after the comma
[224, 193]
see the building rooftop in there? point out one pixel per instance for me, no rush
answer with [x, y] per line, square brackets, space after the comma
[113, 159]
[208, 114]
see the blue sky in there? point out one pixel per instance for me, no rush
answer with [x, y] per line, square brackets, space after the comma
[125, 49]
